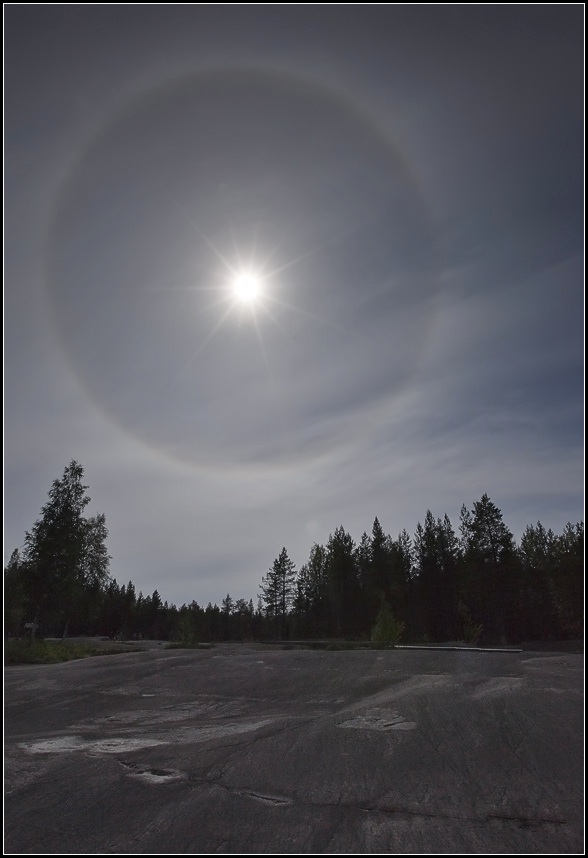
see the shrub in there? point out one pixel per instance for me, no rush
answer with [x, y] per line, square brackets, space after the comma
[387, 631]
[471, 630]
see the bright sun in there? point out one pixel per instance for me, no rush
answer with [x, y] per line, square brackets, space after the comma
[246, 287]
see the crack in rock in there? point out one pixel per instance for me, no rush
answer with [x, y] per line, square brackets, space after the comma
[268, 799]
[527, 821]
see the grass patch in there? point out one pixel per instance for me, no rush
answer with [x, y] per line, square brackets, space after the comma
[52, 652]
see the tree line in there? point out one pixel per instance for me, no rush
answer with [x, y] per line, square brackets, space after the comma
[476, 584]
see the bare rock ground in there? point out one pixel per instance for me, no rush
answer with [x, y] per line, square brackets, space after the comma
[238, 748]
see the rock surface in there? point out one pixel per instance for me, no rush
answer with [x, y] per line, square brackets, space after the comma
[244, 749]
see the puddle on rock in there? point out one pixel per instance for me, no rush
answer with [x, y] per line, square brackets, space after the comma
[154, 774]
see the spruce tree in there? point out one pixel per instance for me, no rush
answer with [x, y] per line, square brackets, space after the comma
[277, 591]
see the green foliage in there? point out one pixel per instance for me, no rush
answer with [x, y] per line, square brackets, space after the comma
[311, 603]
[435, 569]
[484, 535]
[51, 652]
[189, 625]
[277, 591]
[387, 631]
[566, 583]
[442, 588]
[64, 554]
[343, 584]
[490, 571]
[471, 631]
[14, 596]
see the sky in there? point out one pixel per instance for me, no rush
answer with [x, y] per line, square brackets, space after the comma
[273, 270]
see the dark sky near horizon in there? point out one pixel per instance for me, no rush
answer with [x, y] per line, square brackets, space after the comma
[406, 183]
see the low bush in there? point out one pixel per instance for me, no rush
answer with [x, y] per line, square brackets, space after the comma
[387, 631]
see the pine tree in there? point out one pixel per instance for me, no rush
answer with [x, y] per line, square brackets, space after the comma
[64, 553]
[490, 580]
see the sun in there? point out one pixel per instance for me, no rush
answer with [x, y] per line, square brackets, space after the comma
[246, 287]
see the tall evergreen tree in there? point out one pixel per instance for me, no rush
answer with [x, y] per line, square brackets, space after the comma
[401, 576]
[490, 580]
[427, 577]
[380, 562]
[302, 603]
[64, 553]
[242, 619]
[369, 599]
[311, 596]
[567, 581]
[277, 592]
[14, 595]
[227, 606]
[537, 611]
[343, 584]
[449, 555]
[436, 554]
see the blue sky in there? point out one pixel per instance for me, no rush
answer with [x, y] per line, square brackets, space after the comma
[406, 185]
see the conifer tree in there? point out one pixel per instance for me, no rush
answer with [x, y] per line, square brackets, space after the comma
[64, 553]
[277, 591]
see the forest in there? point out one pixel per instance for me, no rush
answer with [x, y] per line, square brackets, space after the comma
[474, 584]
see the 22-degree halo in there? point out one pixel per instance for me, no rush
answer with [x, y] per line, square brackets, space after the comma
[254, 161]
